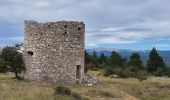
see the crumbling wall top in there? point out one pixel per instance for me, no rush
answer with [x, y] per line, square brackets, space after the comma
[58, 22]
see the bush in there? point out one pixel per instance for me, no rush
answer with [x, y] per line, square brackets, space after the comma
[167, 72]
[64, 93]
[163, 72]
[90, 66]
[126, 72]
[62, 90]
[160, 72]
[76, 96]
[142, 75]
[108, 71]
[120, 72]
[123, 73]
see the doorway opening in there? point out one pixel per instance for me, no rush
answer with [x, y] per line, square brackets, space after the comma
[78, 72]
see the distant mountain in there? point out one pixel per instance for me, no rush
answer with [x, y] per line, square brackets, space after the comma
[127, 53]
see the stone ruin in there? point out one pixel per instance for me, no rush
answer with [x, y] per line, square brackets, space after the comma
[54, 51]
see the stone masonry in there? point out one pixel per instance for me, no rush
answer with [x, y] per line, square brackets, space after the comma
[54, 51]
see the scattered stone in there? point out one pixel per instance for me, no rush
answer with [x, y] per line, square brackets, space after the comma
[89, 85]
[89, 81]
[113, 76]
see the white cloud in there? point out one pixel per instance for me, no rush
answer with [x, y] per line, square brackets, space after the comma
[111, 29]
[107, 21]
[161, 45]
[12, 38]
[93, 40]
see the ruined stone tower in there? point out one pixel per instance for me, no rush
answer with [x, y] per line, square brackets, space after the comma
[54, 51]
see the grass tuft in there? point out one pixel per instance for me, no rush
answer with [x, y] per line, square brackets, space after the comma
[62, 90]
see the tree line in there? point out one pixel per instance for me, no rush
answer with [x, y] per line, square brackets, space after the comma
[11, 61]
[123, 67]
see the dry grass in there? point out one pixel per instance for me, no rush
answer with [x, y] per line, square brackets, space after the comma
[11, 89]
[154, 88]
[108, 89]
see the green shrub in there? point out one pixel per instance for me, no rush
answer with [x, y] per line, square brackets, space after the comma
[126, 72]
[62, 90]
[64, 93]
[76, 96]
[123, 73]
[142, 75]
[160, 72]
[108, 71]
[167, 72]
[90, 66]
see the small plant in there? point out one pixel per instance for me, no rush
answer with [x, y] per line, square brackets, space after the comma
[142, 75]
[62, 90]
[108, 71]
[76, 96]
[64, 93]
[160, 72]
[123, 73]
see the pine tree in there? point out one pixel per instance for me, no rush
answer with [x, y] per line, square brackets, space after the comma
[103, 61]
[94, 59]
[135, 61]
[87, 61]
[155, 62]
[115, 60]
[87, 57]
[102, 58]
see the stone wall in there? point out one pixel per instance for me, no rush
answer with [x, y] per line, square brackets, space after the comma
[54, 51]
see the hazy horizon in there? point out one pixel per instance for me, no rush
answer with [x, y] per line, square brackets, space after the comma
[126, 49]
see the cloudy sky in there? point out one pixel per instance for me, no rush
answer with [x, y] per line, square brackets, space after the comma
[124, 24]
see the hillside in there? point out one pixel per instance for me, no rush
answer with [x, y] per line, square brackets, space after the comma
[127, 53]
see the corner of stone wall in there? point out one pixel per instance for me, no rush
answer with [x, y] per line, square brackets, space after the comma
[29, 22]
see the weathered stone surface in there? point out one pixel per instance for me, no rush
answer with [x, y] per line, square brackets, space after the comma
[89, 81]
[54, 51]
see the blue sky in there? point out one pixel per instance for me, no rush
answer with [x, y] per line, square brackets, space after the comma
[124, 24]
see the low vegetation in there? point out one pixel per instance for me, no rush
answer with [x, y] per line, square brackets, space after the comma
[154, 88]
[120, 78]
[11, 60]
[65, 93]
[124, 67]
[12, 89]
